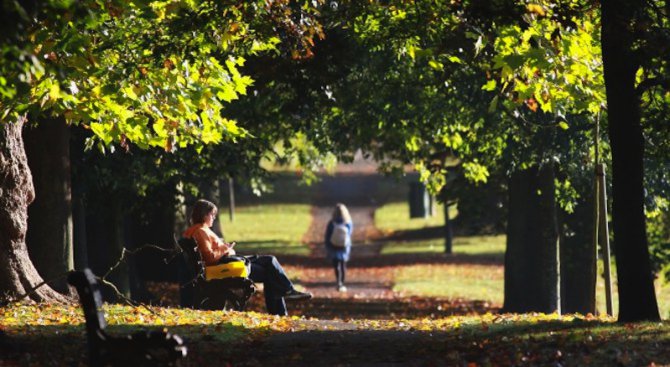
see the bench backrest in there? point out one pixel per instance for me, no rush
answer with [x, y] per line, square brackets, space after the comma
[192, 257]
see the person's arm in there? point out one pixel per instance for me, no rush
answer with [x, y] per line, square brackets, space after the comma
[209, 246]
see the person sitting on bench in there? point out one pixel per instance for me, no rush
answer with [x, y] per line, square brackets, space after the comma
[265, 269]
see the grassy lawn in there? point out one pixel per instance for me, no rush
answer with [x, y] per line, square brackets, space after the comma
[54, 335]
[462, 280]
[271, 228]
[395, 217]
[467, 281]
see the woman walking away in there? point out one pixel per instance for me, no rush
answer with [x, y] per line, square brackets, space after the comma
[264, 268]
[338, 243]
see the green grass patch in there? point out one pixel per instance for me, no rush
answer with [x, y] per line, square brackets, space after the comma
[472, 282]
[662, 292]
[467, 281]
[270, 228]
[395, 217]
[471, 245]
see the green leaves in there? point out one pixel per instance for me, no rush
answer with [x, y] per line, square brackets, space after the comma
[157, 74]
[558, 68]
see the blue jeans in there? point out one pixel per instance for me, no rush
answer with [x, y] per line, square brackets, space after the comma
[266, 269]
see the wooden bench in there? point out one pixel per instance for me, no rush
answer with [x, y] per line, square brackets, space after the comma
[143, 348]
[216, 294]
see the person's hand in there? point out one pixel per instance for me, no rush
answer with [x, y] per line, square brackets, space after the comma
[229, 248]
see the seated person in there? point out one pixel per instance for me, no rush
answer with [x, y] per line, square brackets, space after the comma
[264, 268]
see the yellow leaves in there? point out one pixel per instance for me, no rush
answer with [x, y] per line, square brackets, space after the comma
[413, 144]
[536, 9]
[130, 93]
[436, 65]
[54, 91]
[475, 171]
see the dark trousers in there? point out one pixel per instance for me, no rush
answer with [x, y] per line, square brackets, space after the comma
[340, 271]
[266, 269]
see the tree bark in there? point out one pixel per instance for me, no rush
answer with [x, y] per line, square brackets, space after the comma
[49, 236]
[448, 232]
[532, 274]
[637, 298]
[18, 276]
[578, 258]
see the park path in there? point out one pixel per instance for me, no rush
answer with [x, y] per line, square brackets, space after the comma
[356, 191]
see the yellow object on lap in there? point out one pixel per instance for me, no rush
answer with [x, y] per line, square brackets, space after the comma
[233, 269]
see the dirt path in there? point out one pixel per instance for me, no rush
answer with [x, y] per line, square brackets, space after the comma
[330, 336]
[355, 191]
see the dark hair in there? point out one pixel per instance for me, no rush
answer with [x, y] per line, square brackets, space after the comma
[200, 210]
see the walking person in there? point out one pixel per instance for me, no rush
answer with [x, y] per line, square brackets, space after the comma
[265, 269]
[338, 242]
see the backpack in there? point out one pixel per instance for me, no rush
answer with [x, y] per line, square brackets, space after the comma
[339, 236]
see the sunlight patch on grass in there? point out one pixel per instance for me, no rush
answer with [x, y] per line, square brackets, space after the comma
[270, 228]
[470, 245]
[395, 217]
[662, 293]
[473, 282]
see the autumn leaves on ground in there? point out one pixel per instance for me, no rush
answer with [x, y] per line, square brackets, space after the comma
[386, 317]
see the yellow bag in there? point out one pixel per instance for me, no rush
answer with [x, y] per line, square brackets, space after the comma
[235, 268]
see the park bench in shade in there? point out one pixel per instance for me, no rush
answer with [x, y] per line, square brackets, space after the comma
[143, 348]
[215, 294]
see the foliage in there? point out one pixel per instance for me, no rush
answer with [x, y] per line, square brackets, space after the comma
[127, 72]
[658, 231]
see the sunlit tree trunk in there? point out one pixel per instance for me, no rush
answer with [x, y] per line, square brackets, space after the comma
[17, 273]
[637, 299]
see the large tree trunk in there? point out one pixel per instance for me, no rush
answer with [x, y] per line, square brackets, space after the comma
[531, 260]
[578, 257]
[17, 273]
[49, 236]
[637, 299]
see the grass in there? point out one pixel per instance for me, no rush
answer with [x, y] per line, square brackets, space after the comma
[272, 228]
[54, 335]
[472, 282]
[468, 281]
[395, 217]
[471, 245]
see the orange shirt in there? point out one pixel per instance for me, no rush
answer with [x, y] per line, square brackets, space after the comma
[211, 247]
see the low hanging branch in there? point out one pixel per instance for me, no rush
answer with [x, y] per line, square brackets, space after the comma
[173, 252]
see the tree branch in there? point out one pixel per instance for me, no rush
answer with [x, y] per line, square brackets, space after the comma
[649, 83]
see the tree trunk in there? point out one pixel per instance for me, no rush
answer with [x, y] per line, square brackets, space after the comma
[49, 236]
[637, 299]
[121, 275]
[578, 258]
[531, 260]
[448, 232]
[17, 273]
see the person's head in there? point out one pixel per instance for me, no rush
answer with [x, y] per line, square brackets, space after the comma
[341, 213]
[203, 212]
